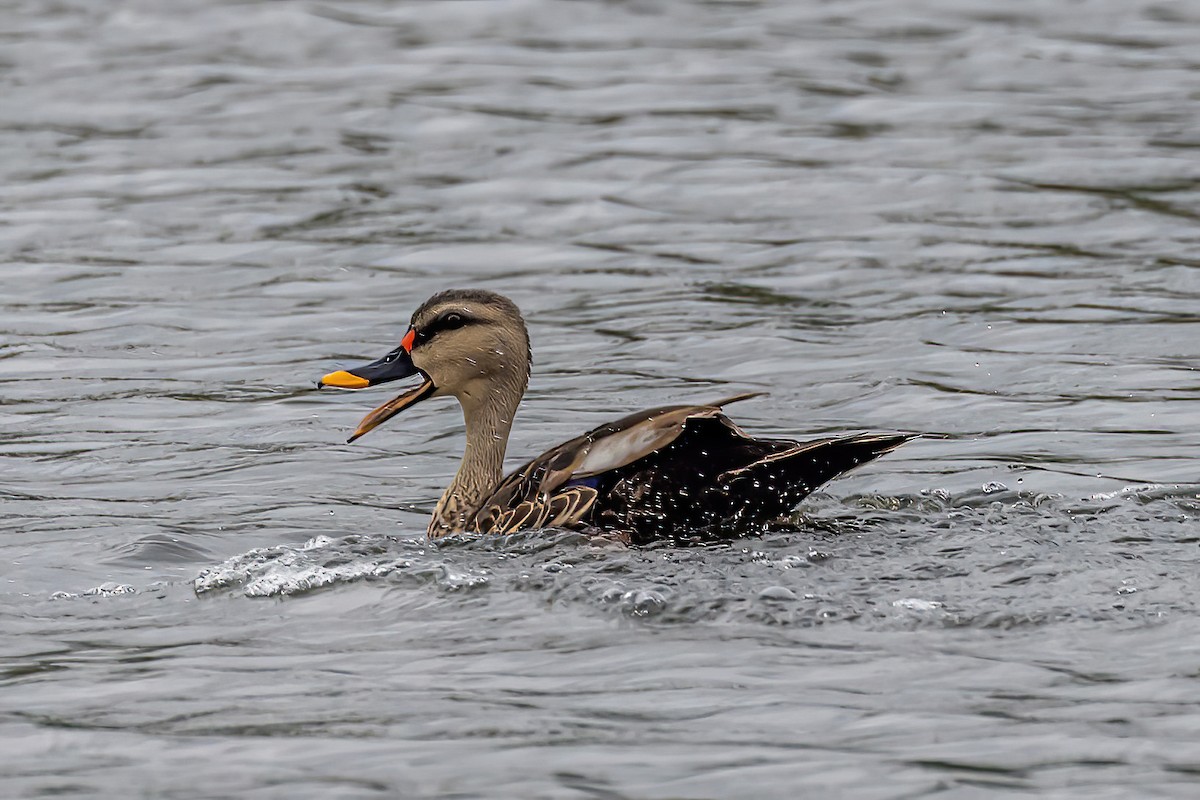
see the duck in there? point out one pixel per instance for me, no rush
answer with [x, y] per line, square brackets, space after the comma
[677, 472]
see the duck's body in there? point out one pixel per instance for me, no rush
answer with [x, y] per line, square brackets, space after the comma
[677, 472]
[681, 472]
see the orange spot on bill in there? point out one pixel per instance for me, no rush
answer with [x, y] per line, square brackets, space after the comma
[344, 380]
[407, 341]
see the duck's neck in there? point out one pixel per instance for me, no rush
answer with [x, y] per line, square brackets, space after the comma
[488, 426]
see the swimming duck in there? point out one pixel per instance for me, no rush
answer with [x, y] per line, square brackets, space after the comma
[683, 472]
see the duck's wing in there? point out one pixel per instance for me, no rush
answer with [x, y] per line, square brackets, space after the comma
[559, 487]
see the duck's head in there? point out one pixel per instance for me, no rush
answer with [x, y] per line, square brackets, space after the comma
[470, 344]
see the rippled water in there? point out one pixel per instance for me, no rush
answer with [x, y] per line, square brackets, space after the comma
[964, 218]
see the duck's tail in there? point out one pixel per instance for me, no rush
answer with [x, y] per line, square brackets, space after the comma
[779, 481]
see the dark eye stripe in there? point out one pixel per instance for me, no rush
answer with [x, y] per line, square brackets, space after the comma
[448, 321]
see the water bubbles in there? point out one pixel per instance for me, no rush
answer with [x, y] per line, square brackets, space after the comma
[991, 487]
[317, 542]
[107, 589]
[784, 563]
[916, 604]
[460, 580]
[777, 594]
[642, 603]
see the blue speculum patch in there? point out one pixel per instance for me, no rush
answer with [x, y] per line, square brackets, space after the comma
[591, 482]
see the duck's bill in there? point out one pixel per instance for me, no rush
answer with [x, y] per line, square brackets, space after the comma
[393, 407]
[394, 366]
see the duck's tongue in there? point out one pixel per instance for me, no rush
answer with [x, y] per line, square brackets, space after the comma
[393, 407]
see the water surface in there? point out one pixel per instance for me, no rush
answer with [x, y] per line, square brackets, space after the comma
[951, 217]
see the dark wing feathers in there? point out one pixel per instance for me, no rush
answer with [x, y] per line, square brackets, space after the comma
[713, 482]
[775, 484]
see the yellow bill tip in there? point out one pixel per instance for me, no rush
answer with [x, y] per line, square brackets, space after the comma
[344, 380]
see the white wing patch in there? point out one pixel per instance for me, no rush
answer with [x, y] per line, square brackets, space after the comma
[611, 452]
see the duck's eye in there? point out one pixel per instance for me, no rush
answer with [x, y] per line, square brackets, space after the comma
[446, 322]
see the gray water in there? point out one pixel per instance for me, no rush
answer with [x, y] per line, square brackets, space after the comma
[972, 219]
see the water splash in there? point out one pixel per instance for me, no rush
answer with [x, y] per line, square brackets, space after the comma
[108, 589]
[882, 560]
[288, 570]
